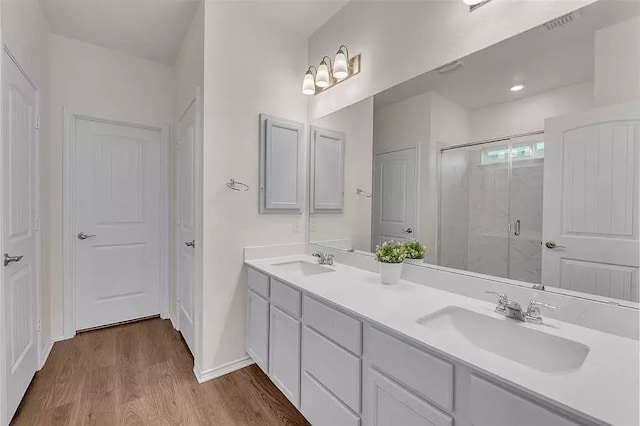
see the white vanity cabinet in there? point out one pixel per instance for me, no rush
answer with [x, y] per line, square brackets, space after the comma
[331, 365]
[341, 370]
[405, 385]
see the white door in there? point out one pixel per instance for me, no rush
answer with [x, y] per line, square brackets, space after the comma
[186, 223]
[590, 212]
[19, 244]
[394, 199]
[117, 210]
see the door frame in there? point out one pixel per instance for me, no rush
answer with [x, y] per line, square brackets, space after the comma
[68, 279]
[38, 233]
[195, 100]
[416, 227]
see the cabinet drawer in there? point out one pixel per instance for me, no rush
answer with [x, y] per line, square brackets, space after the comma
[258, 282]
[321, 408]
[285, 297]
[389, 404]
[492, 405]
[335, 325]
[429, 376]
[338, 370]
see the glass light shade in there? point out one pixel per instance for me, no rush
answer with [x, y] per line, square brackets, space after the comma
[472, 2]
[322, 76]
[340, 65]
[308, 84]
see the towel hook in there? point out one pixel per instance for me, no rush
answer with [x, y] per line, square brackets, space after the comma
[237, 186]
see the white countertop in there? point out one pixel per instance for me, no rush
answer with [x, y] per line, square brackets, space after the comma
[605, 388]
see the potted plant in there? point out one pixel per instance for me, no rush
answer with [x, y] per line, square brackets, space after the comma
[390, 256]
[415, 252]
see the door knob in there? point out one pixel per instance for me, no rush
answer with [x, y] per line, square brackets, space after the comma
[191, 243]
[552, 245]
[84, 236]
[407, 231]
[8, 259]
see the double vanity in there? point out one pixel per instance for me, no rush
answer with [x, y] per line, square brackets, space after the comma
[347, 350]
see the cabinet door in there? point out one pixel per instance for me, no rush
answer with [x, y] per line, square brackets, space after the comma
[284, 354]
[281, 165]
[491, 405]
[257, 333]
[327, 170]
[389, 404]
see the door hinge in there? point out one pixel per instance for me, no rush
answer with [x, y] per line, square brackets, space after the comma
[39, 325]
[37, 121]
[178, 146]
[37, 224]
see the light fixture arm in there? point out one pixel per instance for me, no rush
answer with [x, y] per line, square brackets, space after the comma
[345, 49]
[315, 70]
[330, 62]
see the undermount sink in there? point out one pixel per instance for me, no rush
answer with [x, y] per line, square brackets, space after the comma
[508, 338]
[303, 267]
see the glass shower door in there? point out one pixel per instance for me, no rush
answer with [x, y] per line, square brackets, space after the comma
[525, 206]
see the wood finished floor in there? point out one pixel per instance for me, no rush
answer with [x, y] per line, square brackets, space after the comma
[141, 374]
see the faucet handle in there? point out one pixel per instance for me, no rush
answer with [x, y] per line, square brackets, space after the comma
[502, 298]
[534, 305]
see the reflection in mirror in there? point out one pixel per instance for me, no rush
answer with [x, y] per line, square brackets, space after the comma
[519, 161]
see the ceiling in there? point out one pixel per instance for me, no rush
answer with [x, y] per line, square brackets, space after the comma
[149, 29]
[155, 29]
[540, 59]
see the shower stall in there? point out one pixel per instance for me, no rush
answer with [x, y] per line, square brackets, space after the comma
[491, 207]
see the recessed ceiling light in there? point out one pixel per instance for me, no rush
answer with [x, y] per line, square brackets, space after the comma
[517, 88]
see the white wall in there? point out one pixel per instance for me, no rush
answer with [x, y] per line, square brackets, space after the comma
[400, 40]
[251, 67]
[188, 78]
[26, 33]
[617, 63]
[89, 79]
[354, 223]
[528, 114]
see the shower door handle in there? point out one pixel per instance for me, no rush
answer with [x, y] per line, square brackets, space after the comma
[516, 228]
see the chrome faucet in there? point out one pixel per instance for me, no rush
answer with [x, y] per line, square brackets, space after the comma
[512, 309]
[324, 258]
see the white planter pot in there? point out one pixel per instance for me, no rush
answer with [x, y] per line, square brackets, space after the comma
[390, 273]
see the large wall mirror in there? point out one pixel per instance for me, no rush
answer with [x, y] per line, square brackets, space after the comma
[520, 161]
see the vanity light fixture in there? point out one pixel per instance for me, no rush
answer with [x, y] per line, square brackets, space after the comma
[517, 88]
[323, 76]
[329, 73]
[472, 2]
[309, 82]
[341, 63]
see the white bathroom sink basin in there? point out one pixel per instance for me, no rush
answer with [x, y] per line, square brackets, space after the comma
[509, 338]
[303, 267]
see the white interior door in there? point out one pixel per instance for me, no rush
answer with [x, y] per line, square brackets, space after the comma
[590, 212]
[394, 200]
[186, 224]
[19, 297]
[117, 227]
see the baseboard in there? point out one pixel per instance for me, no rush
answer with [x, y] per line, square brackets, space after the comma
[174, 323]
[214, 373]
[47, 350]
